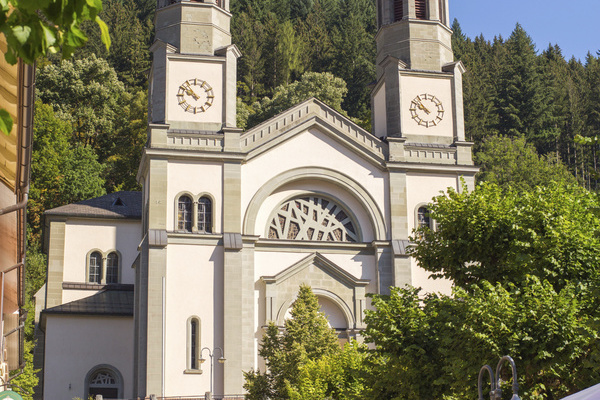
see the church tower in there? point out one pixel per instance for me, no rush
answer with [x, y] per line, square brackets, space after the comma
[192, 115]
[193, 81]
[418, 96]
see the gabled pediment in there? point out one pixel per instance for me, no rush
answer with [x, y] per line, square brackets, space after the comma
[313, 114]
[326, 279]
[322, 263]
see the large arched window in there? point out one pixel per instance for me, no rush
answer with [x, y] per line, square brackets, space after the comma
[106, 381]
[421, 9]
[184, 213]
[205, 215]
[193, 345]
[112, 268]
[95, 268]
[313, 218]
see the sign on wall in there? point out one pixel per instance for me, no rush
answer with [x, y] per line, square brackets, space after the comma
[10, 395]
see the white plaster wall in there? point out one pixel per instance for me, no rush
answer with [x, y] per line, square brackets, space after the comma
[82, 236]
[380, 122]
[195, 178]
[440, 87]
[70, 295]
[192, 293]
[75, 344]
[179, 71]
[422, 188]
[311, 149]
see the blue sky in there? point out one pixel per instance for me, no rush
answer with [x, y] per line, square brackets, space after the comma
[572, 24]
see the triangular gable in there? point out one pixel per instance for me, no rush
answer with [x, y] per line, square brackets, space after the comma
[322, 263]
[313, 114]
[326, 279]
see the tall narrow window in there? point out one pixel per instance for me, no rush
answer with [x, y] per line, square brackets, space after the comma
[95, 268]
[398, 10]
[193, 347]
[112, 268]
[204, 215]
[421, 9]
[423, 218]
[184, 214]
[193, 344]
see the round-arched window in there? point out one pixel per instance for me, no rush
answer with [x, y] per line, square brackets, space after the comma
[313, 218]
[104, 382]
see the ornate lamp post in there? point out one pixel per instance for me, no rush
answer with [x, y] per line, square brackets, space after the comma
[495, 390]
[211, 354]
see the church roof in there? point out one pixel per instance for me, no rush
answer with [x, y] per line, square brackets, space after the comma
[127, 205]
[113, 300]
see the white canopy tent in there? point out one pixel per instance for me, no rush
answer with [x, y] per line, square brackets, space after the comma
[591, 393]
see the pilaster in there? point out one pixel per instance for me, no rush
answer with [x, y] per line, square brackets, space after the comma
[56, 263]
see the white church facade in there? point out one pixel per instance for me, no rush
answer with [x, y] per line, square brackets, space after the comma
[229, 223]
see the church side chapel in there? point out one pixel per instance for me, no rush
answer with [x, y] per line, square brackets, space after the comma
[143, 286]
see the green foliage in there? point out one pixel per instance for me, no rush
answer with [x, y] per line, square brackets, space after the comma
[60, 173]
[306, 336]
[341, 375]
[432, 346]
[515, 163]
[27, 380]
[324, 86]
[503, 235]
[34, 28]
[6, 122]
[88, 94]
[131, 35]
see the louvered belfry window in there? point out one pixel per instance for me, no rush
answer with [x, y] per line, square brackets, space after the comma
[421, 9]
[398, 10]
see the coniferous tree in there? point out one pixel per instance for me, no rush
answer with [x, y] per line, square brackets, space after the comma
[520, 102]
[306, 336]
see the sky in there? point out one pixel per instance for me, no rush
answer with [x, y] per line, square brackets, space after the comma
[572, 24]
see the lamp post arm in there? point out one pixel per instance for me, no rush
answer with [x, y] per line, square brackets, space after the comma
[492, 381]
[515, 384]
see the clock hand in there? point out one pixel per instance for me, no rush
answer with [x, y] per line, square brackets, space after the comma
[189, 91]
[422, 107]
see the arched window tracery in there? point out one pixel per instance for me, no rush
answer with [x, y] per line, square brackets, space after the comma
[313, 218]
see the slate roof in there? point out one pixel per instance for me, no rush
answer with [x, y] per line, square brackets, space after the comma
[120, 205]
[117, 301]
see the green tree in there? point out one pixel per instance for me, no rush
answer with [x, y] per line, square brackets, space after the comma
[432, 346]
[131, 37]
[515, 163]
[502, 235]
[306, 336]
[520, 102]
[341, 375]
[89, 95]
[324, 86]
[36, 28]
[60, 173]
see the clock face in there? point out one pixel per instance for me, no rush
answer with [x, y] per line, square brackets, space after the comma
[195, 96]
[427, 110]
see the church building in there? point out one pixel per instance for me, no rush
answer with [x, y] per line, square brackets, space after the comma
[144, 287]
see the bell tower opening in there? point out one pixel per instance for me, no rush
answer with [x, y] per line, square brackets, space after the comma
[421, 9]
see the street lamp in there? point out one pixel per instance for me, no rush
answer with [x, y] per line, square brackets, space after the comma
[495, 390]
[211, 354]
